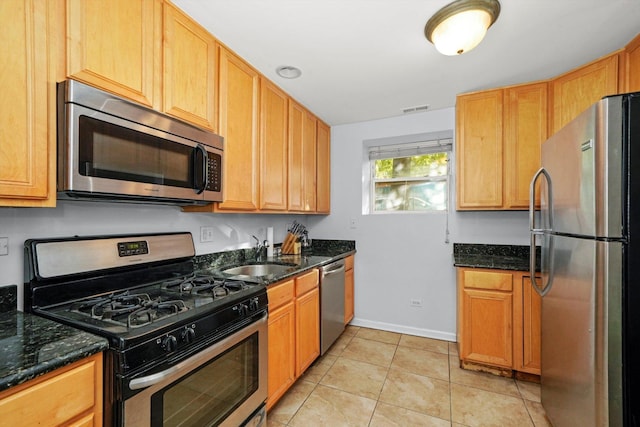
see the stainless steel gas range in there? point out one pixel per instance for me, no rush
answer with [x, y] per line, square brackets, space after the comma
[186, 348]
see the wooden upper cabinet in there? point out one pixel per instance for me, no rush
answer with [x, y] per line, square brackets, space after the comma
[30, 57]
[309, 136]
[323, 169]
[575, 91]
[525, 129]
[239, 92]
[302, 158]
[189, 69]
[273, 147]
[117, 47]
[479, 150]
[295, 184]
[631, 80]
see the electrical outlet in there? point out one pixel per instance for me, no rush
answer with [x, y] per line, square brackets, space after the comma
[415, 303]
[4, 246]
[206, 234]
[352, 223]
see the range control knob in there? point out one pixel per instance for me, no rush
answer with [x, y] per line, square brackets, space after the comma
[169, 343]
[242, 309]
[253, 304]
[188, 335]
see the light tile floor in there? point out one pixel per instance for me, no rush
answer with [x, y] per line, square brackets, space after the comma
[376, 378]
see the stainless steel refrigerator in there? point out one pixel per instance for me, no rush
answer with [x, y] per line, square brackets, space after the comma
[588, 227]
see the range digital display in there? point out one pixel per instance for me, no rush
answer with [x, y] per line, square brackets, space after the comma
[133, 248]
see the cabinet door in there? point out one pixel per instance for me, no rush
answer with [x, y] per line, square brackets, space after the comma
[296, 184]
[71, 395]
[302, 159]
[488, 327]
[479, 150]
[189, 69]
[631, 81]
[527, 328]
[525, 116]
[281, 354]
[309, 135]
[116, 46]
[323, 173]
[239, 93]
[27, 150]
[274, 105]
[485, 308]
[307, 330]
[575, 91]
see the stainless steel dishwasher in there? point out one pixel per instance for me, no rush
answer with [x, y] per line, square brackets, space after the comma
[331, 303]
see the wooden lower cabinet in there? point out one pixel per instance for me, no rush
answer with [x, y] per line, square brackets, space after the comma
[498, 320]
[293, 331]
[349, 292]
[281, 333]
[307, 329]
[70, 396]
[527, 328]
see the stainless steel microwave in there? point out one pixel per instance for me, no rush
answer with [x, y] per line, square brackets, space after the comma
[113, 149]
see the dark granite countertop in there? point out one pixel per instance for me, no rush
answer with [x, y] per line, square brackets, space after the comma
[32, 345]
[501, 257]
[321, 252]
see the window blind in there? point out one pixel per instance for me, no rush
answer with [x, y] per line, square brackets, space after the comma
[411, 149]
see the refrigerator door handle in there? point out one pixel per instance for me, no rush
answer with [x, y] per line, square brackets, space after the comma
[539, 231]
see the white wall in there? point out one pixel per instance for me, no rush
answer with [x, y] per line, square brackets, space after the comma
[404, 257]
[69, 218]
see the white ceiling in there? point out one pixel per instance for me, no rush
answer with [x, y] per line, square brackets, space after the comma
[368, 59]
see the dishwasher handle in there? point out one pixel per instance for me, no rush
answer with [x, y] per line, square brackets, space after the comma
[333, 268]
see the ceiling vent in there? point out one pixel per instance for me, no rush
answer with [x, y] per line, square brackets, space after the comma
[416, 109]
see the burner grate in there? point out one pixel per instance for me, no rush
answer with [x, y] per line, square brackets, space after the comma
[204, 286]
[134, 310]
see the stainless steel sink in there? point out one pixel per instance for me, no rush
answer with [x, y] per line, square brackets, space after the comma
[257, 270]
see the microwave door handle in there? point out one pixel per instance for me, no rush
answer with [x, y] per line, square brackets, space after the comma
[201, 179]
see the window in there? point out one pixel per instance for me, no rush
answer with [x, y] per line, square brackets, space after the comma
[410, 177]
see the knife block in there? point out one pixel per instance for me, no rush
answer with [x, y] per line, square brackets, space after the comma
[290, 246]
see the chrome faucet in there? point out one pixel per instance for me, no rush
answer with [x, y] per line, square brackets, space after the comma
[260, 250]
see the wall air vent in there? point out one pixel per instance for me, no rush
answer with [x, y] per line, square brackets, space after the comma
[416, 109]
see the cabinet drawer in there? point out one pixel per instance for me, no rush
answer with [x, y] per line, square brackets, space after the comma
[306, 282]
[497, 281]
[55, 398]
[348, 262]
[280, 294]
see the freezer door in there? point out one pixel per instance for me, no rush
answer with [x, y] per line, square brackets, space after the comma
[581, 381]
[584, 165]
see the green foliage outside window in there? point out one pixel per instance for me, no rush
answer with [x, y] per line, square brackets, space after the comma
[414, 183]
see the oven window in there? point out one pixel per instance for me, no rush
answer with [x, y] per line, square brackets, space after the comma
[115, 152]
[205, 397]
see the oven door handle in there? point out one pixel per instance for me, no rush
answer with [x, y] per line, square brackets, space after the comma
[150, 380]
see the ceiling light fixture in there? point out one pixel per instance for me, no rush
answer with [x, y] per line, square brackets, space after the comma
[460, 26]
[288, 72]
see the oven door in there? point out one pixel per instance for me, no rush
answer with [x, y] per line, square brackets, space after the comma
[223, 385]
[102, 155]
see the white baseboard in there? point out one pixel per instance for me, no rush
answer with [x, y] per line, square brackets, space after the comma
[401, 329]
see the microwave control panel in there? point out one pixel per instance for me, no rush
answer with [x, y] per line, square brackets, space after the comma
[214, 171]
